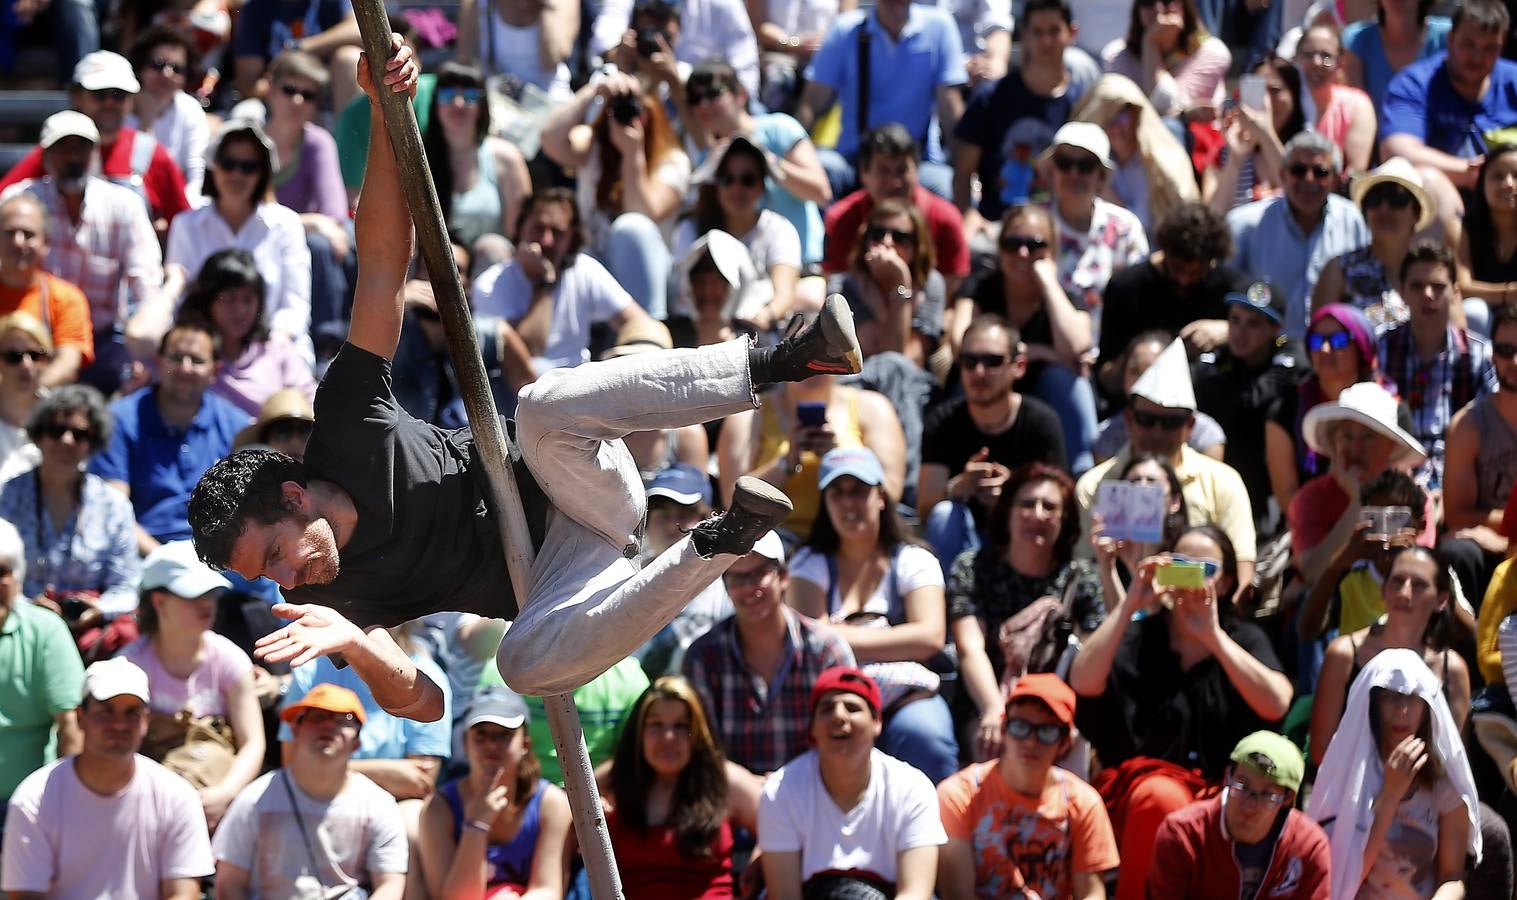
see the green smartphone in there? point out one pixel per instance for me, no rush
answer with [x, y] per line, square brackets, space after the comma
[1181, 574]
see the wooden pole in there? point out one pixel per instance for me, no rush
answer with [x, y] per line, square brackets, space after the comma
[468, 365]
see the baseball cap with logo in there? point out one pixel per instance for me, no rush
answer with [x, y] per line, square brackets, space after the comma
[1272, 756]
[1262, 298]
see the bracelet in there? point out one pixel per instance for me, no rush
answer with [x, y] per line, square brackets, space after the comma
[476, 825]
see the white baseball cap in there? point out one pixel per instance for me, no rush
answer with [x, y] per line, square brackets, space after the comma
[68, 123]
[174, 567]
[770, 547]
[115, 677]
[103, 70]
[1084, 135]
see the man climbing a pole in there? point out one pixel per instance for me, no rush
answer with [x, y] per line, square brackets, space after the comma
[387, 519]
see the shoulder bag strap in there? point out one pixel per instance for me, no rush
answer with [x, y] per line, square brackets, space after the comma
[305, 837]
[863, 113]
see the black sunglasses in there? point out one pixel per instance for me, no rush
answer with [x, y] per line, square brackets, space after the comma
[244, 166]
[696, 96]
[16, 357]
[160, 64]
[971, 361]
[1397, 196]
[1159, 420]
[115, 95]
[287, 429]
[1301, 170]
[291, 90]
[1084, 164]
[1047, 735]
[746, 179]
[57, 430]
[877, 234]
[1014, 243]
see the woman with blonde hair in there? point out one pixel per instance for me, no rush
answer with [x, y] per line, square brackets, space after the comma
[1151, 170]
[25, 350]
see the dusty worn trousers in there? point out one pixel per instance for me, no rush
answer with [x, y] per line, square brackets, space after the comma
[589, 605]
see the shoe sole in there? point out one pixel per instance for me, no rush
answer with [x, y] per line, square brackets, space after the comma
[762, 499]
[837, 327]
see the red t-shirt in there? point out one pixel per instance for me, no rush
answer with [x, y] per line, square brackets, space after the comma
[944, 222]
[163, 183]
[653, 868]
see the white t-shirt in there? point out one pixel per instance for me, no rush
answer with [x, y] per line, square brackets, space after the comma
[64, 840]
[356, 835]
[277, 240]
[912, 567]
[1408, 862]
[899, 811]
[585, 294]
[204, 693]
[772, 242]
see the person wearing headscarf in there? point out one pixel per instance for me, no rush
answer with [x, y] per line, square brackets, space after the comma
[1152, 173]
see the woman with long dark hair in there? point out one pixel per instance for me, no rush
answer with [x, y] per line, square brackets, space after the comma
[1117, 561]
[1488, 263]
[1173, 58]
[892, 283]
[1253, 159]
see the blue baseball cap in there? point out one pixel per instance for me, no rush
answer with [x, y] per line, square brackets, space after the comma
[1262, 298]
[860, 462]
[682, 483]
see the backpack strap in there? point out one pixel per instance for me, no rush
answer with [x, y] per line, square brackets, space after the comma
[864, 38]
[143, 148]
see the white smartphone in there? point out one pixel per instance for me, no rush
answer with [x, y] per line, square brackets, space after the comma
[1252, 91]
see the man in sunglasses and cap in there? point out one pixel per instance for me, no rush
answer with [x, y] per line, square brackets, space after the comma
[1249, 841]
[1021, 823]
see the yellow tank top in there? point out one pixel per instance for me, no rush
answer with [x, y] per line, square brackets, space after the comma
[801, 487]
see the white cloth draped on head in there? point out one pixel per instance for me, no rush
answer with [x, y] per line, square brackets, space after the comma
[1352, 772]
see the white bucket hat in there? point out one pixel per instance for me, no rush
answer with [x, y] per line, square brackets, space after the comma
[1370, 405]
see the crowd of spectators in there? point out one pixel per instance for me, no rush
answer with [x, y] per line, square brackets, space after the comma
[1161, 549]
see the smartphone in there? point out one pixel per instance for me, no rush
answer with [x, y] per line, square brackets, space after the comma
[1252, 91]
[1386, 520]
[811, 414]
[1180, 574]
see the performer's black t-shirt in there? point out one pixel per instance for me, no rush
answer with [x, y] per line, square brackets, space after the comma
[425, 541]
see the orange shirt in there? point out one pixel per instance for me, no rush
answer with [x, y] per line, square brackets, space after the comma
[68, 313]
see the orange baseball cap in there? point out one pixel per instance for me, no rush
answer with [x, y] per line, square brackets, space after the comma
[328, 697]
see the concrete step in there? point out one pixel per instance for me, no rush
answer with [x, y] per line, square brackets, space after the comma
[10, 154]
[30, 107]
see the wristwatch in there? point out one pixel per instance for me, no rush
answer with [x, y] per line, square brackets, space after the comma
[904, 293]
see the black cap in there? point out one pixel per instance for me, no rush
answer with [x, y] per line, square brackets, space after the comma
[1263, 298]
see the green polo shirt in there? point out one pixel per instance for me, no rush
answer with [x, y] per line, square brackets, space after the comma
[40, 676]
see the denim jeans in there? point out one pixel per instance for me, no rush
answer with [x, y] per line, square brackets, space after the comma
[921, 733]
[1072, 397]
[638, 257]
[950, 529]
[329, 282]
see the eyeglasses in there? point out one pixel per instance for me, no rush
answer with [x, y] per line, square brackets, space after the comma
[239, 166]
[1338, 340]
[111, 95]
[57, 430]
[167, 66]
[469, 95]
[1168, 422]
[1015, 243]
[17, 357]
[1084, 164]
[1047, 735]
[877, 234]
[971, 361]
[1320, 57]
[1504, 350]
[1397, 196]
[1272, 796]
[1301, 170]
[696, 96]
[746, 179]
[291, 90]
[179, 359]
[748, 579]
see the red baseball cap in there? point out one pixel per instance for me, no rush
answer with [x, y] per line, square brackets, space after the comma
[849, 680]
[1050, 690]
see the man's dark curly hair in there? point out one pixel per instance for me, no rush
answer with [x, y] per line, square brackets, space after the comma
[1194, 230]
[246, 485]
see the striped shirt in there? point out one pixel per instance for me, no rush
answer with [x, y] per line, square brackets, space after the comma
[1434, 389]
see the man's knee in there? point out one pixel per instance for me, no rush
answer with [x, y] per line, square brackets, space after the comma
[532, 668]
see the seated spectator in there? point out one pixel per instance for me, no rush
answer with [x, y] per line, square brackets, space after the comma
[241, 215]
[176, 419]
[1028, 557]
[674, 800]
[1486, 270]
[106, 822]
[882, 592]
[764, 642]
[73, 26]
[102, 88]
[198, 680]
[1395, 207]
[26, 286]
[1249, 840]
[679, 498]
[716, 283]
[717, 106]
[78, 533]
[1170, 54]
[265, 845]
[776, 444]
[970, 444]
[1053, 324]
[502, 828]
[1400, 33]
[284, 424]
[1151, 175]
[691, 33]
[729, 198]
[1096, 239]
[425, 382]
[1160, 417]
[1394, 792]
[1207, 437]
[42, 697]
[924, 41]
[896, 294]
[165, 59]
[529, 42]
[1117, 561]
[481, 179]
[1019, 822]
[1181, 288]
[888, 170]
[1301, 231]
[230, 295]
[551, 291]
[787, 36]
[631, 177]
[1344, 113]
[1240, 383]
[107, 247]
[266, 28]
[1443, 365]
[25, 349]
[1251, 166]
[890, 832]
[350, 124]
[1165, 698]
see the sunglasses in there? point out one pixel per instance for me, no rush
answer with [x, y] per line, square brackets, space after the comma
[56, 431]
[1084, 164]
[239, 166]
[971, 361]
[167, 66]
[291, 90]
[1168, 422]
[1272, 797]
[1338, 340]
[470, 95]
[1321, 58]
[16, 357]
[286, 430]
[877, 234]
[746, 179]
[695, 96]
[1021, 729]
[1504, 350]
[114, 95]
[1398, 197]
[1301, 170]
[1016, 243]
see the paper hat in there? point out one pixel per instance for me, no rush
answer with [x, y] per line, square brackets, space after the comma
[1167, 381]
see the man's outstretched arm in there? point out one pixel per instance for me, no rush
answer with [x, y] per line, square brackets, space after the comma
[383, 223]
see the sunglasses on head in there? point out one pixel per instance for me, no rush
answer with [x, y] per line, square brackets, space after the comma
[1301, 170]
[1015, 243]
[1166, 421]
[746, 179]
[1394, 194]
[1503, 350]
[1047, 735]
[696, 96]
[57, 430]
[971, 361]
[242, 166]
[877, 234]
[470, 95]
[16, 357]
[167, 66]
[1338, 340]
[1084, 164]
[291, 90]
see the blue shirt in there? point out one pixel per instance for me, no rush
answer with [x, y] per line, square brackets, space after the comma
[1267, 242]
[903, 76]
[160, 465]
[383, 736]
[779, 133]
[1421, 102]
[95, 550]
[1365, 41]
